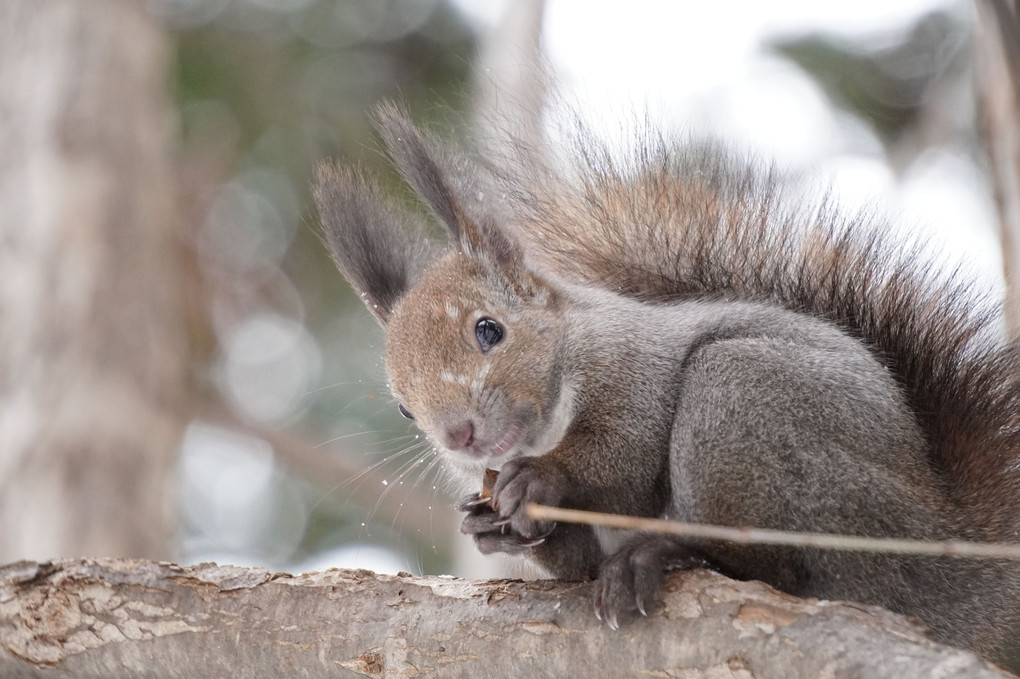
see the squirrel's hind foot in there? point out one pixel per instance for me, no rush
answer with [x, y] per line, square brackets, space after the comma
[630, 579]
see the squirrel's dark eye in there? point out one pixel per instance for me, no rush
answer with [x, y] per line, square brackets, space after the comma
[488, 333]
[404, 411]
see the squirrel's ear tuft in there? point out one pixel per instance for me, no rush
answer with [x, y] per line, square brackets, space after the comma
[455, 194]
[431, 173]
[379, 249]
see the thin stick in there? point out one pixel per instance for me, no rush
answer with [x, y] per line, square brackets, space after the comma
[768, 536]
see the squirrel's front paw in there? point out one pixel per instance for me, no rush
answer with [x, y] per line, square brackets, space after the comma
[523, 481]
[629, 580]
[499, 523]
[491, 532]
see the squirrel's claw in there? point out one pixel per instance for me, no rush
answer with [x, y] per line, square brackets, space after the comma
[472, 502]
[492, 543]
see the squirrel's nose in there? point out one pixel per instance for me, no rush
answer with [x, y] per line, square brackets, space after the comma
[459, 435]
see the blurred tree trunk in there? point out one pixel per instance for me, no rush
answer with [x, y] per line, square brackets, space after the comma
[511, 79]
[93, 343]
[998, 87]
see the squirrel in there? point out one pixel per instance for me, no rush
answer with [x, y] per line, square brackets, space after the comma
[670, 335]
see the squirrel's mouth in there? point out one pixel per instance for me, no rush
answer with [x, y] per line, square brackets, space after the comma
[498, 438]
[481, 450]
[505, 443]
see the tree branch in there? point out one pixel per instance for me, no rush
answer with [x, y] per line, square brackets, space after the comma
[121, 617]
[770, 536]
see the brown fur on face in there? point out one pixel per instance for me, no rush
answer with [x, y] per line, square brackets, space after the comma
[514, 384]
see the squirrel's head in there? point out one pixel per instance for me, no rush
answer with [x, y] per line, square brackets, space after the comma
[474, 336]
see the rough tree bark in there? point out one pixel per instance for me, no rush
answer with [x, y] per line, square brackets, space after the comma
[92, 345]
[113, 618]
